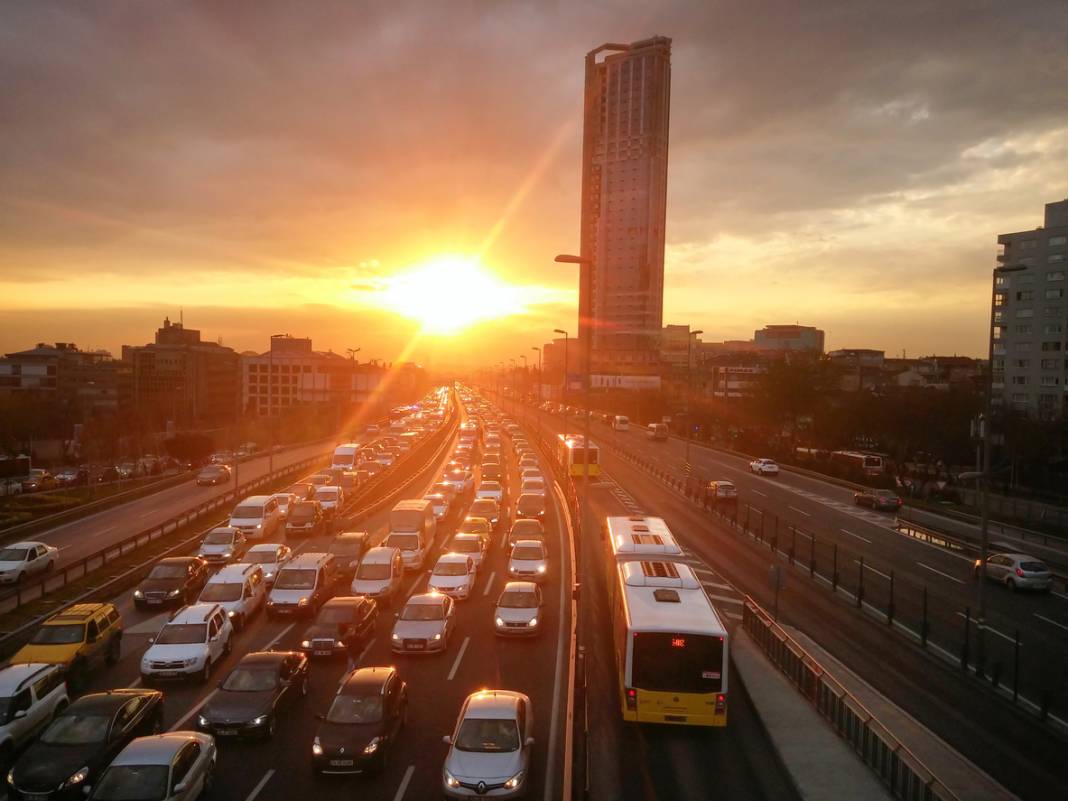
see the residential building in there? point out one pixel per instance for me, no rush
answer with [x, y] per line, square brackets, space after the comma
[676, 350]
[624, 204]
[84, 382]
[181, 379]
[789, 337]
[1030, 319]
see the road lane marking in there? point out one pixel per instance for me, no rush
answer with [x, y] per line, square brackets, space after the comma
[403, 788]
[991, 629]
[133, 685]
[196, 706]
[278, 636]
[459, 656]
[758, 492]
[1059, 594]
[262, 782]
[799, 511]
[725, 599]
[489, 583]
[939, 572]
[1054, 622]
[149, 513]
[732, 615]
[872, 569]
[851, 534]
[106, 530]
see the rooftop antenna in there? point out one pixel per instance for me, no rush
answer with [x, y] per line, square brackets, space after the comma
[181, 316]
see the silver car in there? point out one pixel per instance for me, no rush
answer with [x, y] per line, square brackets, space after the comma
[177, 766]
[518, 610]
[529, 561]
[489, 750]
[1017, 571]
[424, 624]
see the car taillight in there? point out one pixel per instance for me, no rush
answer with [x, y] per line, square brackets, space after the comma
[1019, 572]
[632, 699]
[721, 704]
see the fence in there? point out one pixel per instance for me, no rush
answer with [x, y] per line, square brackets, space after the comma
[900, 770]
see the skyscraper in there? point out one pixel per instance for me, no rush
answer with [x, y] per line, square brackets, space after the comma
[624, 203]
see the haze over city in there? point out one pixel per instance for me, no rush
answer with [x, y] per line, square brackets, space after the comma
[846, 165]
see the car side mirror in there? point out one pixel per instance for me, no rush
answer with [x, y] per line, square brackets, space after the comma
[447, 739]
[529, 741]
[179, 788]
[151, 640]
[396, 615]
[19, 714]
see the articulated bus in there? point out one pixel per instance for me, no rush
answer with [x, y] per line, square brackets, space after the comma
[670, 646]
[571, 450]
[634, 538]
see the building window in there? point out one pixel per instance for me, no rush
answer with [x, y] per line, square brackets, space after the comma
[1026, 278]
[1027, 261]
[1051, 311]
[1055, 258]
[1050, 364]
[1025, 312]
[1029, 244]
[1019, 380]
[1021, 364]
[1020, 329]
[1022, 347]
[1026, 294]
[1001, 280]
[1051, 381]
[1053, 328]
[1056, 241]
[1055, 275]
[1048, 346]
[1054, 294]
[999, 299]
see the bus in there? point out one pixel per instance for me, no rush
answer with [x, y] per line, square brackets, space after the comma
[621, 422]
[868, 464]
[636, 537]
[571, 450]
[670, 646]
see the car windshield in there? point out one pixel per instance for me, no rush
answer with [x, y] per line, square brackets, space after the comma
[490, 486]
[527, 552]
[295, 579]
[488, 735]
[211, 471]
[168, 572]
[479, 526]
[261, 557]
[219, 538]
[250, 680]
[422, 612]
[450, 569]
[336, 614]
[218, 591]
[346, 547]
[484, 508]
[248, 512]
[512, 599]
[59, 635]
[302, 511]
[530, 503]
[373, 570]
[75, 729]
[182, 634]
[300, 490]
[465, 546]
[13, 554]
[133, 783]
[406, 542]
[355, 709]
[326, 495]
[526, 528]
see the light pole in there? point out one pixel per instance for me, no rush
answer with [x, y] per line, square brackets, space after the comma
[563, 386]
[583, 264]
[689, 395]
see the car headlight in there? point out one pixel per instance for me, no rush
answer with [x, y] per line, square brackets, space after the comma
[339, 644]
[302, 602]
[11, 777]
[202, 721]
[305, 643]
[500, 622]
[541, 568]
[317, 748]
[436, 636]
[191, 661]
[138, 594]
[450, 780]
[372, 746]
[77, 777]
[174, 593]
[258, 721]
[259, 525]
[231, 613]
[515, 781]
[396, 637]
[532, 622]
[228, 554]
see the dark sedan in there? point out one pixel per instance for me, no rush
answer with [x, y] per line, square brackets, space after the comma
[881, 499]
[340, 622]
[81, 741]
[363, 722]
[249, 700]
[175, 581]
[213, 474]
[348, 549]
[304, 490]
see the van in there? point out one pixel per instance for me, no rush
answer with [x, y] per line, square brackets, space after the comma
[302, 586]
[412, 528]
[345, 456]
[379, 575]
[657, 432]
[258, 517]
[239, 589]
[621, 422]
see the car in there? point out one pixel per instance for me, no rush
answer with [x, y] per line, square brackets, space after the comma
[379, 575]
[320, 480]
[301, 587]
[535, 486]
[81, 740]
[440, 505]
[527, 461]
[331, 499]
[472, 545]
[531, 505]
[879, 499]
[175, 766]
[258, 517]
[531, 472]
[490, 489]
[341, 621]
[492, 471]
[72, 477]
[488, 508]
[20, 560]
[305, 519]
[454, 575]
[302, 490]
[529, 561]
[1017, 571]
[39, 480]
[31, 694]
[223, 457]
[359, 730]
[518, 610]
[270, 556]
[764, 467]
[239, 589]
[489, 749]
[222, 545]
[213, 474]
[723, 493]
[348, 549]
[80, 638]
[176, 580]
[424, 624]
[447, 489]
[526, 529]
[249, 700]
[188, 645]
[477, 525]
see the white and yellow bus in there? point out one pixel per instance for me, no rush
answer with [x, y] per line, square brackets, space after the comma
[670, 646]
[636, 537]
[571, 452]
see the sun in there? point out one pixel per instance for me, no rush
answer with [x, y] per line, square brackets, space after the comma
[449, 293]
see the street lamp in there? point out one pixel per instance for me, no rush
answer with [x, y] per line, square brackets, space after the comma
[563, 388]
[689, 395]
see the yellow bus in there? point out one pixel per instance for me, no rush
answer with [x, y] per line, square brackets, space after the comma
[571, 451]
[670, 646]
[634, 538]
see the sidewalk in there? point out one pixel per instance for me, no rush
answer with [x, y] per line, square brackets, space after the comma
[822, 766]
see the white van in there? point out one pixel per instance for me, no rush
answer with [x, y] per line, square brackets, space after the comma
[345, 456]
[657, 431]
[621, 422]
[239, 589]
[379, 575]
[412, 528]
[258, 517]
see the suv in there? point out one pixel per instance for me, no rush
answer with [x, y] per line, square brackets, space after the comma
[80, 638]
[303, 585]
[189, 644]
[305, 519]
[239, 589]
[30, 695]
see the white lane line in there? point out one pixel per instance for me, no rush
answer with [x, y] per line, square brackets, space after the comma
[726, 599]
[489, 583]
[851, 534]
[732, 615]
[459, 656]
[992, 630]
[133, 685]
[939, 572]
[758, 492]
[196, 706]
[799, 511]
[717, 585]
[106, 530]
[403, 788]
[872, 569]
[259, 786]
[278, 636]
[149, 513]
[1059, 594]
[359, 660]
[1054, 622]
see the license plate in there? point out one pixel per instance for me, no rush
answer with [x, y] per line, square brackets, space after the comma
[35, 796]
[323, 653]
[226, 732]
[150, 601]
[341, 763]
[167, 674]
[416, 646]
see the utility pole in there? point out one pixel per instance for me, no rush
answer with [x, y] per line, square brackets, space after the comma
[689, 396]
[563, 388]
[584, 264]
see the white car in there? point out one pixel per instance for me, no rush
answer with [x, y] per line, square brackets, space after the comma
[518, 609]
[530, 472]
[175, 766]
[271, 556]
[187, 646]
[331, 499]
[453, 575]
[222, 545]
[1017, 571]
[529, 561]
[491, 489]
[239, 589]
[424, 624]
[258, 517]
[532, 486]
[439, 503]
[21, 560]
[38, 691]
[764, 467]
[283, 499]
[489, 750]
[472, 545]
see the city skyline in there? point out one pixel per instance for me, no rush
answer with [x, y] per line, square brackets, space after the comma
[864, 195]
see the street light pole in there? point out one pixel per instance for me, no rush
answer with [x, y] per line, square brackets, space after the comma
[689, 395]
[563, 388]
[586, 348]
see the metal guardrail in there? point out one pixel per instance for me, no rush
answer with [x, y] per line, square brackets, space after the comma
[903, 773]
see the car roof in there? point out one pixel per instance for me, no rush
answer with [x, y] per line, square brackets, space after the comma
[429, 598]
[259, 547]
[1020, 557]
[255, 499]
[380, 551]
[351, 535]
[263, 658]
[234, 572]
[520, 586]
[156, 749]
[108, 701]
[13, 677]
[226, 529]
[530, 544]
[308, 559]
[527, 522]
[26, 544]
[194, 613]
[178, 560]
[500, 704]
[79, 613]
[466, 535]
[367, 678]
[453, 557]
[346, 601]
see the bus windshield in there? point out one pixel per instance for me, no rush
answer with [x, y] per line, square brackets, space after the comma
[683, 663]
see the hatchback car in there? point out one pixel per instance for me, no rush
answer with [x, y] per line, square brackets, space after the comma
[453, 575]
[472, 545]
[270, 556]
[489, 509]
[253, 695]
[424, 624]
[222, 545]
[348, 549]
[1017, 571]
[530, 505]
[529, 561]
[365, 718]
[526, 529]
[477, 525]
[21, 560]
[518, 610]
[723, 493]
[341, 622]
[176, 580]
[881, 499]
[489, 749]
[176, 766]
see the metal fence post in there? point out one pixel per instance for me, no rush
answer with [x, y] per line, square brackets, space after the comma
[860, 585]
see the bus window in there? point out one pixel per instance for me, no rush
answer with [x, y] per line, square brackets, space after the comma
[683, 663]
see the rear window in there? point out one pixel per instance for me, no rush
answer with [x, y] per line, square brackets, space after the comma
[685, 663]
[1033, 567]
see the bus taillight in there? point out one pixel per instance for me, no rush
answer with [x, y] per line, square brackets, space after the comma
[721, 703]
[632, 699]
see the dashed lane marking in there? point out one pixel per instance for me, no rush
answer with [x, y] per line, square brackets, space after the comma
[260, 785]
[761, 494]
[192, 710]
[991, 629]
[489, 583]
[279, 636]
[459, 656]
[800, 511]
[939, 572]
[1052, 622]
[872, 569]
[403, 787]
[851, 534]
[725, 599]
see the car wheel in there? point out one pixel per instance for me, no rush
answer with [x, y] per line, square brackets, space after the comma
[228, 646]
[272, 727]
[114, 650]
[205, 674]
[1011, 584]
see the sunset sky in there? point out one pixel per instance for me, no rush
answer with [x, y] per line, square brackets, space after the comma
[309, 167]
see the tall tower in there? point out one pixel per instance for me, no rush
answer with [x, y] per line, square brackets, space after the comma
[624, 203]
